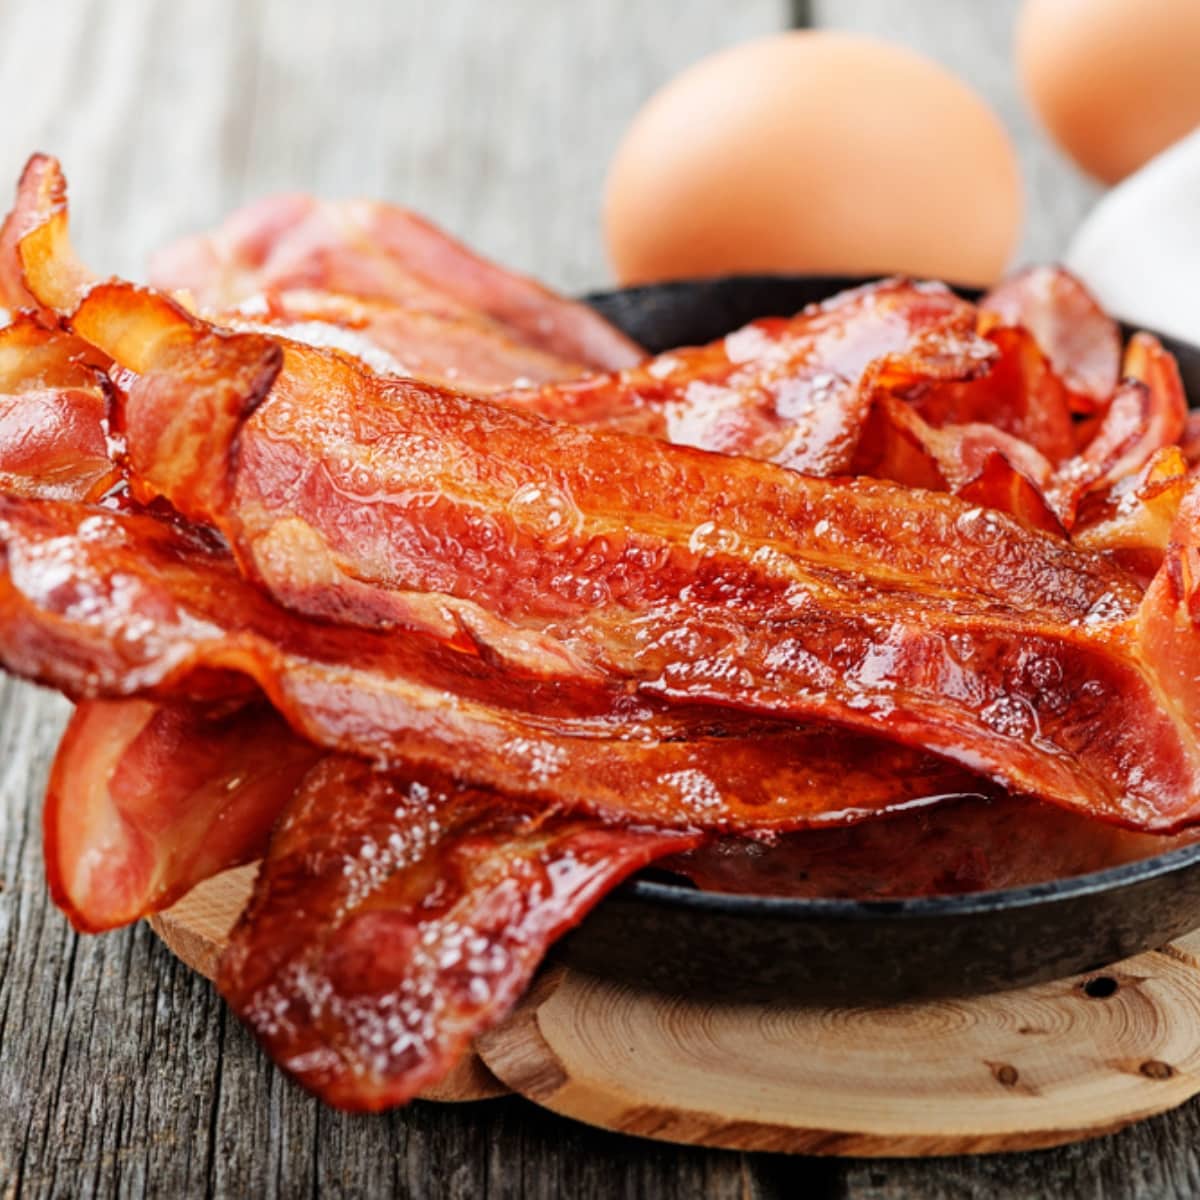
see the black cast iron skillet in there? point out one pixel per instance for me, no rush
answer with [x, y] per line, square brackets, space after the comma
[674, 938]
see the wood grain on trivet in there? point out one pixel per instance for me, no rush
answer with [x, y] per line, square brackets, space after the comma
[1025, 1069]
[197, 930]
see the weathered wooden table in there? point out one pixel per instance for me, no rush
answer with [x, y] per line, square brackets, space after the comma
[120, 1072]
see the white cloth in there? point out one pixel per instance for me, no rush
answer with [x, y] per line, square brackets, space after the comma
[1139, 248]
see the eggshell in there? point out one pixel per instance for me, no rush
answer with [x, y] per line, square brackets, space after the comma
[814, 151]
[1114, 81]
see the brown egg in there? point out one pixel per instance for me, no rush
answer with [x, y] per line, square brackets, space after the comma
[813, 152]
[1114, 81]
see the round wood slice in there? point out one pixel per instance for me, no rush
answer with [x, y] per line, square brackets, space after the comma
[1015, 1071]
[197, 930]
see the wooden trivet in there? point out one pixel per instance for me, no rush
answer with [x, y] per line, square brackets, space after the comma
[1018, 1070]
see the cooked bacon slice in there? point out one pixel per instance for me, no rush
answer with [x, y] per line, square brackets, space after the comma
[53, 408]
[1132, 520]
[34, 238]
[793, 391]
[1169, 619]
[104, 604]
[1147, 412]
[378, 251]
[976, 462]
[1083, 343]
[385, 934]
[146, 800]
[467, 352]
[1028, 701]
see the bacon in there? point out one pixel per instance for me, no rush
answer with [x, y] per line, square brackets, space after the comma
[841, 612]
[34, 238]
[1147, 413]
[1131, 521]
[973, 461]
[793, 391]
[146, 800]
[105, 604]
[380, 252]
[426, 909]
[1020, 395]
[1168, 625]
[466, 351]
[53, 410]
[1082, 342]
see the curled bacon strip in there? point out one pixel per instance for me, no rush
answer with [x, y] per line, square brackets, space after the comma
[1083, 343]
[1146, 413]
[793, 391]
[378, 251]
[146, 800]
[427, 907]
[1131, 521]
[53, 408]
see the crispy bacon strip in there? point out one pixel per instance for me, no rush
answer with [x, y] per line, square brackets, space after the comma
[1169, 618]
[34, 237]
[976, 462]
[378, 251]
[105, 604]
[1132, 520]
[146, 800]
[1082, 342]
[53, 408]
[466, 352]
[792, 391]
[1020, 395]
[1147, 412]
[385, 934]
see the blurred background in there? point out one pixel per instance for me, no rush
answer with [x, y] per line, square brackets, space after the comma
[498, 120]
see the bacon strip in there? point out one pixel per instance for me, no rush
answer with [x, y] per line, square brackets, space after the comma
[425, 909]
[378, 251]
[1146, 413]
[53, 408]
[146, 800]
[104, 604]
[465, 352]
[792, 391]
[1083, 343]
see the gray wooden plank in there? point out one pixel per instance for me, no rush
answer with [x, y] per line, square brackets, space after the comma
[975, 41]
